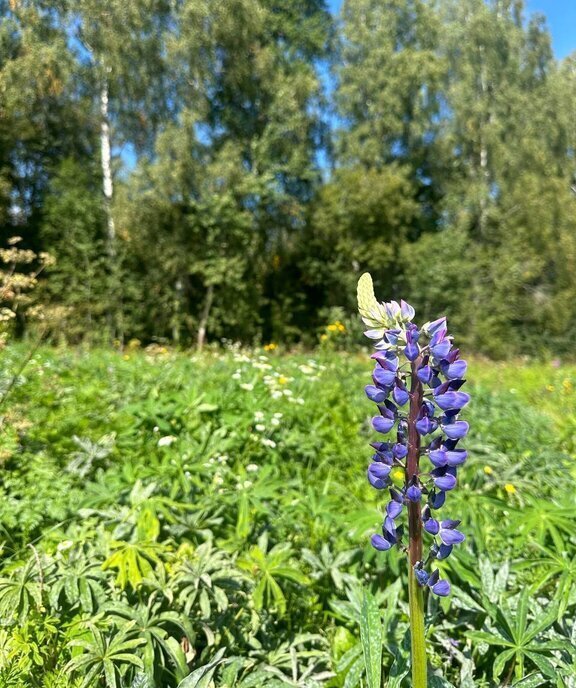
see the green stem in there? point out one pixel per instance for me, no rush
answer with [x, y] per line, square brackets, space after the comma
[416, 598]
[415, 594]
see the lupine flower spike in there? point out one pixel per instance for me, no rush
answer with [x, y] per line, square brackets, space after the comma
[416, 383]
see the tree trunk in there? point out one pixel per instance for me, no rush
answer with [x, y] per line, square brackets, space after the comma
[107, 183]
[204, 317]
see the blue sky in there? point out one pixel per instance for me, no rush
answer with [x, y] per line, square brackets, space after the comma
[561, 16]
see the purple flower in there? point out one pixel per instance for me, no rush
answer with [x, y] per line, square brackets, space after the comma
[399, 450]
[404, 403]
[400, 393]
[448, 533]
[438, 587]
[380, 542]
[395, 505]
[382, 424]
[453, 370]
[444, 478]
[413, 492]
[452, 400]
[430, 524]
[376, 394]
[455, 429]
[437, 499]
[412, 350]
[378, 475]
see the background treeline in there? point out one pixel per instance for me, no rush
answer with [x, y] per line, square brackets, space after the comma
[208, 169]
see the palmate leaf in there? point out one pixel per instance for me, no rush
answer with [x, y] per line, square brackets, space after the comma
[265, 567]
[20, 593]
[155, 627]
[133, 561]
[104, 655]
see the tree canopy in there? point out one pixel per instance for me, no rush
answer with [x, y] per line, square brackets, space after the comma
[204, 170]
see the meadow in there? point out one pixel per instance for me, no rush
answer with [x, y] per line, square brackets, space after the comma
[170, 518]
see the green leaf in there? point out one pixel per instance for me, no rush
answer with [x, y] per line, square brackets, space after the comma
[531, 681]
[483, 637]
[543, 663]
[501, 660]
[201, 677]
[371, 638]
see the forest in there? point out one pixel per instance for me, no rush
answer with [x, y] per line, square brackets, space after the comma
[202, 171]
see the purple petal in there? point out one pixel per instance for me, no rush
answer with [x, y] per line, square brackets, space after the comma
[456, 430]
[389, 528]
[379, 470]
[438, 457]
[456, 457]
[382, 377]
[455, 370]
[394, 509]
[406, 310]
[375, 393]
[400, 450]
[432, 526]
[425, 426]
[414, 493]
[382, 425]
[386, 360]
[380, 543]
[445, 482]
[378, 483]
[400, 395]
[441, 349]
[451, 537]
[444, 551]
[442, 588]
[424, 374]
[436, 325]
[437, 500]
[452, 400]
[412, 351]
[421, 576]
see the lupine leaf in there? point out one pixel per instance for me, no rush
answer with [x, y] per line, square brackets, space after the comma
[202, 677]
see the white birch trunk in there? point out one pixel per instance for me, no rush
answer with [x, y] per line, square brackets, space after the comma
[202, 325]
[106, 154]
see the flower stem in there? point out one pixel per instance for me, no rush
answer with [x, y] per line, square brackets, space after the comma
[415, 594]
[416, 597]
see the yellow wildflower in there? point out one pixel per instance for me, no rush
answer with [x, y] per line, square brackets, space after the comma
[488, 470]
[282, 380]
[510, 489]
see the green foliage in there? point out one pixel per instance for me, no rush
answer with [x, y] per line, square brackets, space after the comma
[204, 518]
[206, 171]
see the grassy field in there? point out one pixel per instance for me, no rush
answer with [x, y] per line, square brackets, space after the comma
[165, 513]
